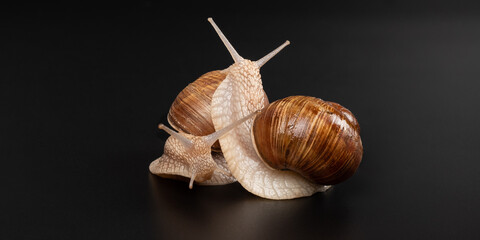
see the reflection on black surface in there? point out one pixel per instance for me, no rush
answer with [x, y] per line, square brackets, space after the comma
[229, 211]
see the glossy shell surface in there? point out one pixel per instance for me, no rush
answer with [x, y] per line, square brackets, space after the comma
[318, 139]
[191, 110]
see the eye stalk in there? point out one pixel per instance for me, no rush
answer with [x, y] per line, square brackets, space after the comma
[260, 62]
[236, 57]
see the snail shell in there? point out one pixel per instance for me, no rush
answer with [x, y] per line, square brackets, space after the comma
[318, 139]
[191, 110]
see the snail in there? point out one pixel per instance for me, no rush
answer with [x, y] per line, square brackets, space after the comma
[190, 156]
[270, 155]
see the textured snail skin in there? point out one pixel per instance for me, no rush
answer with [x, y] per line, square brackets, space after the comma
[238, 95]
[178, 161]
[319, 140]
[167, 168]
[190, 111]
[190, 156]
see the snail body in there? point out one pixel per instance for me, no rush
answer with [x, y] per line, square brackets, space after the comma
[294, 148]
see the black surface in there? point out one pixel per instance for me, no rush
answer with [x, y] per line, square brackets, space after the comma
[83, 87]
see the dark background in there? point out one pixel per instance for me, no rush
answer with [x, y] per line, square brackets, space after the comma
[83, 87]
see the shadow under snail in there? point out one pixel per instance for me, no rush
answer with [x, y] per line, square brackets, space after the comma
[293, 147]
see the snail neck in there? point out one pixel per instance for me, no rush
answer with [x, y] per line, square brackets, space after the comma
[246, 73]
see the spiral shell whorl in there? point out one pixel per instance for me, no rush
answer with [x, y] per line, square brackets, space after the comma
[191, 110]
[314, 138]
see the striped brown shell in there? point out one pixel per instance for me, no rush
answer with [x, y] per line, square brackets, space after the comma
[317, 139]
[191, 111]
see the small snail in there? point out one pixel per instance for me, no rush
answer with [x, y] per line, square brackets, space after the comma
[287, 134]
[190, 156]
